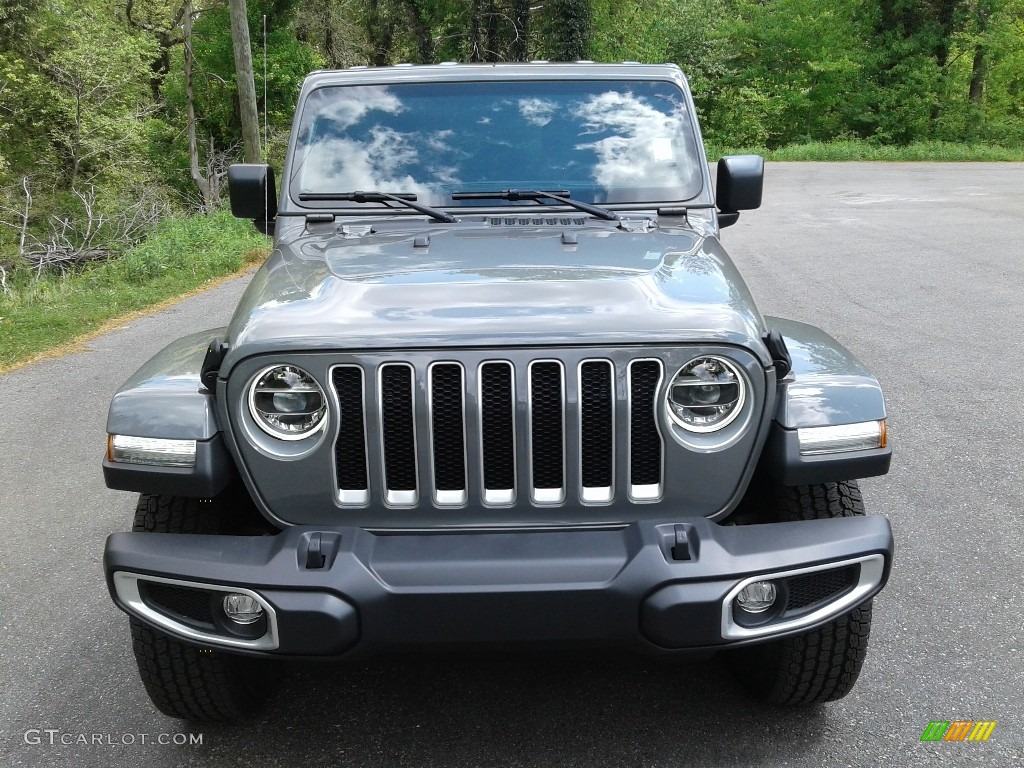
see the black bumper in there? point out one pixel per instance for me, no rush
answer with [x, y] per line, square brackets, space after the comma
[622, 587]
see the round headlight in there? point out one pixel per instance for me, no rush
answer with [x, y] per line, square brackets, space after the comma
[287, 403]
[706, 395]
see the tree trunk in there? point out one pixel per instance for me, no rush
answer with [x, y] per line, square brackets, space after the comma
[380, 30]
[979, 71]
[246, 82]
[476, 26]
[491, 46]
[979, 67]
[572, 29]
[521, 24]
[202, 183]
[421, 29]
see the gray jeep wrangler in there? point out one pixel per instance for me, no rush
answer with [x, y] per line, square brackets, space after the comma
[498, 385]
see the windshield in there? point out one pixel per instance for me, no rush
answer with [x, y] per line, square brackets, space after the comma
[602, 142]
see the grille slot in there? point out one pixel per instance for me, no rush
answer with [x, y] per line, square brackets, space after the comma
[547, 432]
[398, 433]
[350, 450]
[497, 432]
[817, 587]
[645, 449]
[597, 432]
[448, 433]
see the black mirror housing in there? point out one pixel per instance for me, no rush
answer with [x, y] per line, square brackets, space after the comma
[253, 192]
[740, 183]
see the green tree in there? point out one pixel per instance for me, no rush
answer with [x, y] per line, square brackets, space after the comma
[794, 72]
[568, 30]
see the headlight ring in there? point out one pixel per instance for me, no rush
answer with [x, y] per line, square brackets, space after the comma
[287, 403]
[706, 395]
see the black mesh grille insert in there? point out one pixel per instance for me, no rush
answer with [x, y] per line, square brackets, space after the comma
[596, 414]
[497, 426]
[350, 450]
[178, 602]
[546, 425]
[446, 389]
[398, 427]
[817, 587]
[644, 440]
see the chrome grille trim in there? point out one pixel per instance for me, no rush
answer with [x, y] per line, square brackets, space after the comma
[491, 421]
[546, 429]
[353, 484]
[398, 444]
[498, 433]
[599, 428]
[443, 467]
[644, 491]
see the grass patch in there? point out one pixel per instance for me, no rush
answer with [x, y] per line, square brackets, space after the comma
[860, 151]
[182, 254]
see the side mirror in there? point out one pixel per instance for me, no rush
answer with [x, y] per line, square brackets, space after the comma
[740, 182]
[253, 194]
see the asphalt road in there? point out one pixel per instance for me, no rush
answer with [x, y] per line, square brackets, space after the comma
[918, 268]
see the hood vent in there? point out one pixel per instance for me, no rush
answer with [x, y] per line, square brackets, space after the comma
[535, 221]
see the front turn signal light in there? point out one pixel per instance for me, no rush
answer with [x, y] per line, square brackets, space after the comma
[861, 436]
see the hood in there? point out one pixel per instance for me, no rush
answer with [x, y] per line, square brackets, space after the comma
[493, 282]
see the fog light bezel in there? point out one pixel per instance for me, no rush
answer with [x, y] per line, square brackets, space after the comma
[773, 622]
[126, 587]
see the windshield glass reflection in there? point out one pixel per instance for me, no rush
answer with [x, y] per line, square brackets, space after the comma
[604, 142]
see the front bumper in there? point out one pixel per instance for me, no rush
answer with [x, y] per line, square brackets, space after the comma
[342, 591]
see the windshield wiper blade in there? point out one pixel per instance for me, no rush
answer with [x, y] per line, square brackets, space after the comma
[405, 198]
[560, 195]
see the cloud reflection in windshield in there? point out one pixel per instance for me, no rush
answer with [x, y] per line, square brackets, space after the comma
[604, 141]
[639, 153]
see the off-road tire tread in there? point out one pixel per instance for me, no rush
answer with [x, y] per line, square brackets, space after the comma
[186, 681]
[175, 514]
[814, 502]
[823, 664]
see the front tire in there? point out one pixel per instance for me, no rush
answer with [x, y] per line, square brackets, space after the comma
[187, 681]
[194, 683]
[823, 664]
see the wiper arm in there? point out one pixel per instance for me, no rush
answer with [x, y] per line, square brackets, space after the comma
[560, 195]
[405, 198]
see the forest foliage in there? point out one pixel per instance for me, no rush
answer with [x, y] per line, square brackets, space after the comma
[94, 146]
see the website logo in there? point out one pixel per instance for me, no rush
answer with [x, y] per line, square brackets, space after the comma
[958, 730]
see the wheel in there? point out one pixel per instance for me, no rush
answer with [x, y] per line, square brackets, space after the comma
[184, 680]
[822, 664]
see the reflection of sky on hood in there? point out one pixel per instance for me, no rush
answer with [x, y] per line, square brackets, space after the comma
[605, 141]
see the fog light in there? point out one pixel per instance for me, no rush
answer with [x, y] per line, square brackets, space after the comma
[756, 597]
[242, 609]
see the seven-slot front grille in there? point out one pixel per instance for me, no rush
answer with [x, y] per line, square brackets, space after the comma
[498, 433]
